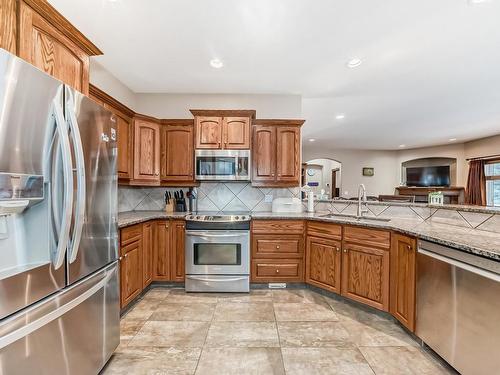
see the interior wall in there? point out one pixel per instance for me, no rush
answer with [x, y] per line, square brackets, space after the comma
[384, 163]
[103, 79]
[178, 105]
[482, 147]
[323, 176]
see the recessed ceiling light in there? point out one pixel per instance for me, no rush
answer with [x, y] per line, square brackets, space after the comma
[216, 63]
[312, 140]
[474, 2]
[340, 116]
[402, 146]
[452, 139]
[353, 63]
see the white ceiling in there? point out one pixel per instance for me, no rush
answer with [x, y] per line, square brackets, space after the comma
[430, 68]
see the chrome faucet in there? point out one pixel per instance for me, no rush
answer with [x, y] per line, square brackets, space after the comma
[362, 201]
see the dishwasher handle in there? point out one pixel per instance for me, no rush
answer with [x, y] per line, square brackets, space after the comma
[467, 267]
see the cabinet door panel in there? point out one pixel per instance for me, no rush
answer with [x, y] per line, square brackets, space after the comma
[131, 272]
[236, 132]
[177, 153]
[264, 154]
[178, 251]
[147, 253]
[323, 259]
[208, 132]
[162, 248]
[288, 154]
[403, 257]
[147, 151]
[42, 45]
[124, 138]
[365, 275]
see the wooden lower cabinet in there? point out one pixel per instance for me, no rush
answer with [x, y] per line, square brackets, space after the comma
[147, 253]
[178, 250]
[277, 270]
[365, 275]
[323, 261]
[161, 263]
[402, 289]
[130, 272]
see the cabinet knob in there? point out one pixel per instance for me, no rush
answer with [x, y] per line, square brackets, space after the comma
[272, 174]
[126, 255]
[345, 250]
[277, 246]
[337, 248]
[277, 271]
[408, 247]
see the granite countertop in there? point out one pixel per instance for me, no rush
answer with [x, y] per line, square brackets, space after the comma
[475, 241]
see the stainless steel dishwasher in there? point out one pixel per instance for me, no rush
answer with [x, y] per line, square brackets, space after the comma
[458, 307]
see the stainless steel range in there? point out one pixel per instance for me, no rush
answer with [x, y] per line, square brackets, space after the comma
[218, 253]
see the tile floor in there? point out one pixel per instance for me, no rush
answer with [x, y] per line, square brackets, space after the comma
[264, 332]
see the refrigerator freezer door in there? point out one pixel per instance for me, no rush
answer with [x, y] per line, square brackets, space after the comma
[34, 149]
[74, 332]
[95, 211]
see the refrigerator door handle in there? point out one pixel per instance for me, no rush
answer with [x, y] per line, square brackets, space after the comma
[65, 148]
[80, 177]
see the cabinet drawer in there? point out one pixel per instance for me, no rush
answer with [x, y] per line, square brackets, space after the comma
[370, 237]
[278, 226]
[130, 234]
[325, 230]
[277, 246]
[124, 249]
[282, 270]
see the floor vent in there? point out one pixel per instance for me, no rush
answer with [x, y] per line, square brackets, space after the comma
[277, 285]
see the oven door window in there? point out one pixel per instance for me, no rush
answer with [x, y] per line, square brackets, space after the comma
[224, 254]
[215, 166]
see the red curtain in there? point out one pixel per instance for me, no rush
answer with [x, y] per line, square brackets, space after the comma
[476, 184]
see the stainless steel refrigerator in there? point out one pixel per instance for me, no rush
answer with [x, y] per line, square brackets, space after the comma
[59, 294]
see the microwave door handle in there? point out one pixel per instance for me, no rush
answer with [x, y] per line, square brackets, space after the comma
[67, 164]
[80, 177]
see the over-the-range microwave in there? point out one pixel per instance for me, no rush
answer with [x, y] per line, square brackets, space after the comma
[222, 165]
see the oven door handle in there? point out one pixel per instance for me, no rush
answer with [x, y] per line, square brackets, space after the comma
[233, 279]
[218, 235]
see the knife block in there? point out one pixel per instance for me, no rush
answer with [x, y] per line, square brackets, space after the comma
[169, 207]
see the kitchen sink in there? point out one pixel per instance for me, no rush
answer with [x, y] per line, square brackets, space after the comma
[358, 218]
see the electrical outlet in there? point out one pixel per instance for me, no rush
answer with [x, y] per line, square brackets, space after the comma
[268, 198]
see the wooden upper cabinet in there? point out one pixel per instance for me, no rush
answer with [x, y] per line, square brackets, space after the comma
[146, 151]
[276, 153]
[288, 154]
[208, 132]
[125, 136]
[236, 133]
[48, 41]
[264, 154]
[403, 282]
[177, 153]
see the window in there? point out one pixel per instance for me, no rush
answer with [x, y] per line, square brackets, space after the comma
[492, 172]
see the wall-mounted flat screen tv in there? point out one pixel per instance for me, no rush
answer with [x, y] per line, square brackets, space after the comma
[428, 176]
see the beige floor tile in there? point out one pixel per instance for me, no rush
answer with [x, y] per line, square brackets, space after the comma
[311, 361]
[242, 334]
[184, 311]
[170, 333]
[313, 334]
[153, 360]
[253, 296]
[235, 311]
[157, 294]
[142, 310]
[179, 296]
[129, 328]
[378, 333]
[402, 361]
[348, 311]
[240, 361]
[303, 312]
[298, 296]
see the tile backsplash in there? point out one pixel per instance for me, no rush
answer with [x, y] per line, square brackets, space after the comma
[212, 196]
